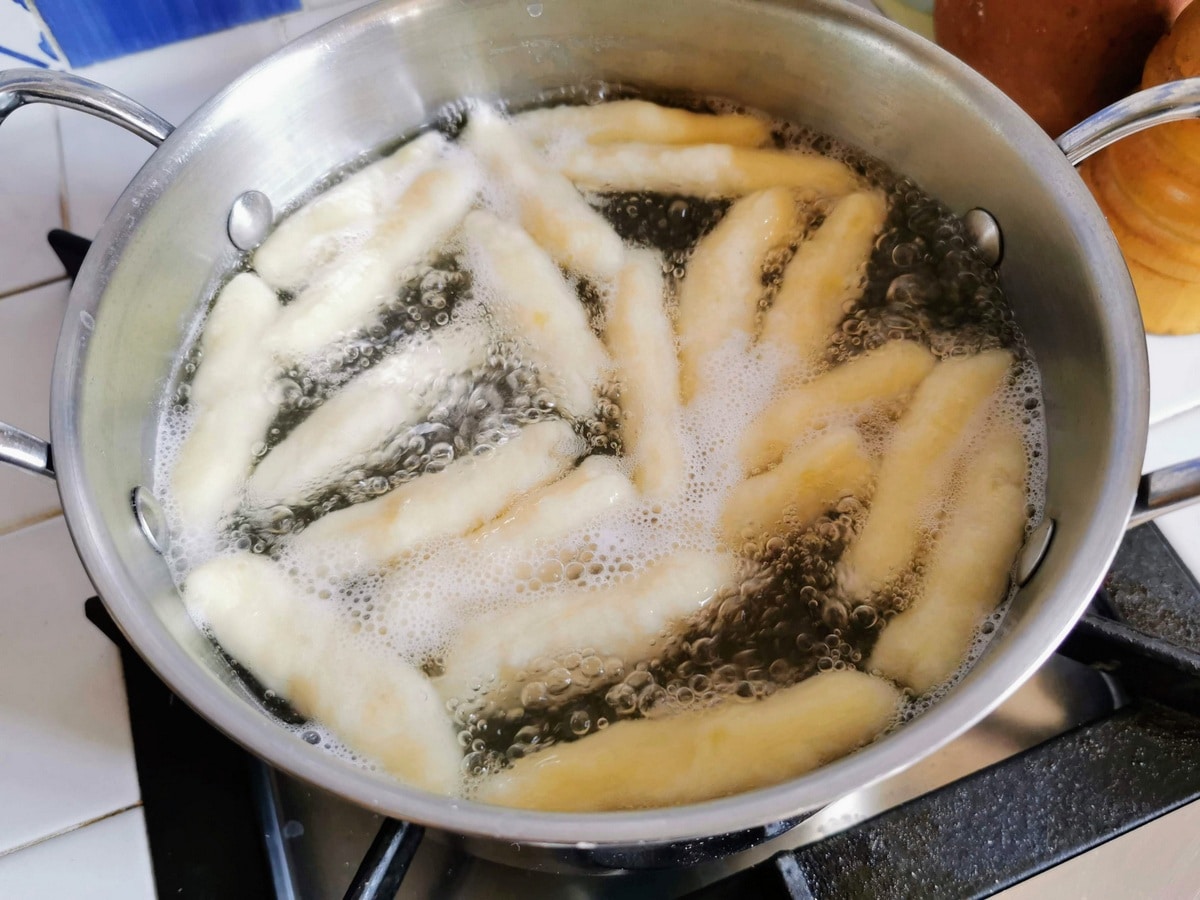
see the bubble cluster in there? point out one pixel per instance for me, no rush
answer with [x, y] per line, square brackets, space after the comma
[428, 299]
[780, 622]
[670, 223]
[475, 412]
[926, 282]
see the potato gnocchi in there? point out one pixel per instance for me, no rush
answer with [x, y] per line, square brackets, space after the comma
[558, 439]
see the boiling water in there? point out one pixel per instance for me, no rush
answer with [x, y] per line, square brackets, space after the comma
[781, 620]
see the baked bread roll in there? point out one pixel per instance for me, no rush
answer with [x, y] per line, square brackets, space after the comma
[1149, 188]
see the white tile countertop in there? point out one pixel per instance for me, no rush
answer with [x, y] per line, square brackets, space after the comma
[72, 825]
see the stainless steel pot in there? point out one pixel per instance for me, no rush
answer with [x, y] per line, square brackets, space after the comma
[379, 73]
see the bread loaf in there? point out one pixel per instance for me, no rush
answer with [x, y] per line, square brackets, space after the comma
[1149, 188]
[1060, 60]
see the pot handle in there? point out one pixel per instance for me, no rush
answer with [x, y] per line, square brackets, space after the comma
[19, 87]
[23, 450]
[1165, 491]
[1170, 102]
[1177, 486]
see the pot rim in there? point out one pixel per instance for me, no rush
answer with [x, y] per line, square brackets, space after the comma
[965, 705]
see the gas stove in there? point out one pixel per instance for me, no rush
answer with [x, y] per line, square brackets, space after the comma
[1103, 738]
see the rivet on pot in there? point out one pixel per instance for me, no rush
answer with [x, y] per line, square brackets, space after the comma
[1033, 552]
[984, 231]
[250, 219]
[150, 518]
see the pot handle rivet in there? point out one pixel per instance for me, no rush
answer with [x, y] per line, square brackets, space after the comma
[1033, 552]
[984, 231]
[250, 220]
[150, 518]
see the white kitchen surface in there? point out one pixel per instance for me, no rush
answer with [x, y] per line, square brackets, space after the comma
[66, 756]
[31, 197]
[72, 826]
[1174, 375]
[29, 323]
[103, 860]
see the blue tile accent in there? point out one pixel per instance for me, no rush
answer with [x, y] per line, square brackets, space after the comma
[27, 60]
[44, 46]
[91, 31]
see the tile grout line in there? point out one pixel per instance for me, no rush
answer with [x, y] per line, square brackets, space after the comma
[24, 289]
[49, 837]
[39, 519]
[1179, 414]
[64, 205]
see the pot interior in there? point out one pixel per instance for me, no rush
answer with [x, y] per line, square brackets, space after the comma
[380, 73]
